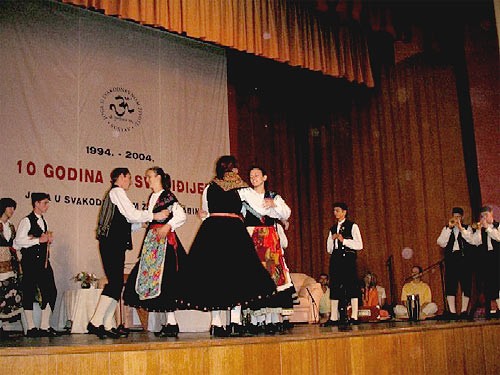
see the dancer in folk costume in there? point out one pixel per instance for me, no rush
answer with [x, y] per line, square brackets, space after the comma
[153, 283]
[114, 232]
[33, 239]
[263, 210]
[10, 296]
[223, 270]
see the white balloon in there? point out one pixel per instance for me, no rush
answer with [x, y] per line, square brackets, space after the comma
[407, 253]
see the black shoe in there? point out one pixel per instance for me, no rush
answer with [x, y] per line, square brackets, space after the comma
[172, 330]
[33, 332]
[236, 330]
[287, 325]
[3, 334]
[51, 332]
[92, 329]
[354, 322]
[119, 333]
[162, 332]
[103, 333]
[218, 331]
[255, 329]
[465, 316]
[331, 323]
[270, 329]
[122, 330]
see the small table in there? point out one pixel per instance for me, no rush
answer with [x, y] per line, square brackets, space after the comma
[78, 306]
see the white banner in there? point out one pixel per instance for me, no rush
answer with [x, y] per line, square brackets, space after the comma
[81, 94]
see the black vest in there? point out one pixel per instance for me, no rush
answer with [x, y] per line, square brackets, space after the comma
[484, 240]
[120, 230]
[39, 251]
[346, 232]
[462, 244]
[265, 221]
[3, 241]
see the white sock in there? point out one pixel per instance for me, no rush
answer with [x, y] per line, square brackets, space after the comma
[171, 318]
[451, 304]
[354, 307]
[100, 311]
[465, 303]
[216, 319]
[334, 310]
[29, 319]
[275, 318]
[261, 319]
[45, 324]
[269, 318]
[236, 315]
[253, 320]
[110, 314]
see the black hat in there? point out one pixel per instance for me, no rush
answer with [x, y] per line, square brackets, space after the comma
[457, 210]
[485, 209]
[36, 197]
[341, 205]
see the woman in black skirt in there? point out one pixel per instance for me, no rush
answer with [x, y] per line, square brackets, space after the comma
[153, 284]
[223, 270]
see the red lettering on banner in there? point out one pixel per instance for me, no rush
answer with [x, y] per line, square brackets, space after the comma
[138, 181]
[180, 186]
[48, 171]
[83, 175]
[72, 173]
[60, 172]
[98, 178]
[185, 187]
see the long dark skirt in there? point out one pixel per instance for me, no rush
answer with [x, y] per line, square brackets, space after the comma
[223, 269]
[166, 300]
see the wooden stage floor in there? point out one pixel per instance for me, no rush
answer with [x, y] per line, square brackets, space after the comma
[429, 347]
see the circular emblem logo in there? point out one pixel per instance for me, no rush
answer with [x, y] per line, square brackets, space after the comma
[121, 109]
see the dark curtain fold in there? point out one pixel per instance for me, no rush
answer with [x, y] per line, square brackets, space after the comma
[393, 154]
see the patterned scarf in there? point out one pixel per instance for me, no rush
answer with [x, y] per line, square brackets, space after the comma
[230, 181]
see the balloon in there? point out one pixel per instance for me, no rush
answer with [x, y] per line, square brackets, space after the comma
[407, 253]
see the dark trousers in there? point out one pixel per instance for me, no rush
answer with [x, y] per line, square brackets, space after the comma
[492, 274]
[344, 282]
[35, 275]
[113, 262]
[458, 270]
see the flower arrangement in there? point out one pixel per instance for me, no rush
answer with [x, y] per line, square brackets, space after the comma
[86, 279]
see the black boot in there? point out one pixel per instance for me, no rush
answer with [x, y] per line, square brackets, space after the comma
[218, 331]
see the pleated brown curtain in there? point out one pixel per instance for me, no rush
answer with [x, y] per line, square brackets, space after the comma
[281, 30]
[393, 154]
[409, 168]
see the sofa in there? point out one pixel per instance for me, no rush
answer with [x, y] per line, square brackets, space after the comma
[310, 293]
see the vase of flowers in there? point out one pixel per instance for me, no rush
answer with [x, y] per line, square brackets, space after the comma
[85, 279]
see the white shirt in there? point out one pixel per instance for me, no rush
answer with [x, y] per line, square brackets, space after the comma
[355, 244]
[6, 230]
[256, 201]
[22, 239]
[120, 199]
[179, 216]
[444, 237]
[475, 238]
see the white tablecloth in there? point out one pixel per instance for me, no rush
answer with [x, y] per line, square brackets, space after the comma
[78, 306]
